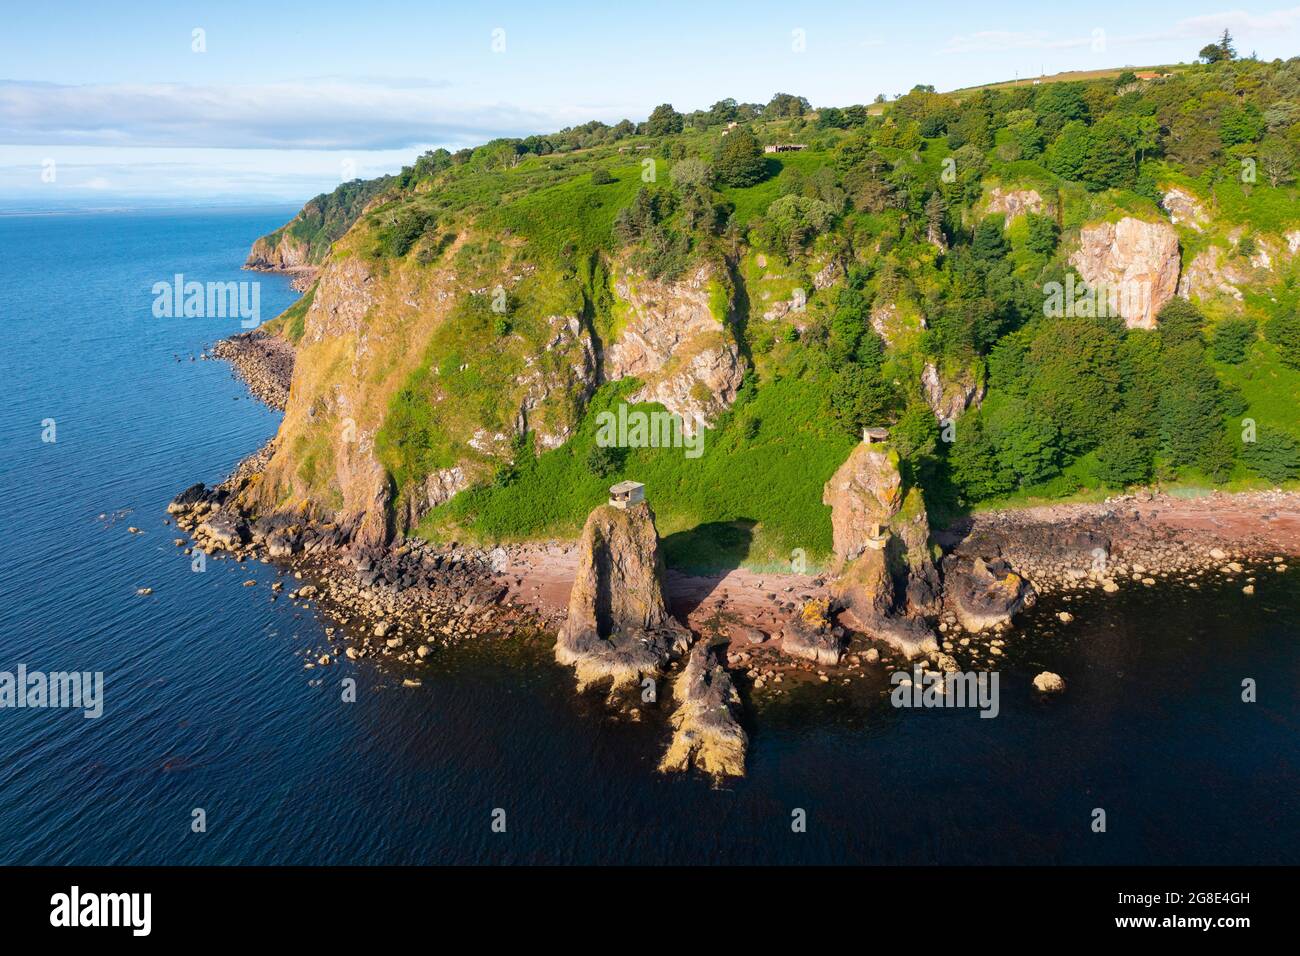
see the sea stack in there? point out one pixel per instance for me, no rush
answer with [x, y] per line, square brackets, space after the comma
[618, 626]
[868, 505]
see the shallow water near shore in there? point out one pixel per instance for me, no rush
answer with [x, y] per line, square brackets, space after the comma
[208, 704]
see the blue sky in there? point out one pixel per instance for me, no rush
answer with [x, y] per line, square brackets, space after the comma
[112, 102]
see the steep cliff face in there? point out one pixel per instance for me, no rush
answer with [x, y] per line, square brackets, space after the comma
[1137, 259]
[408, 387]
[676, 338]
[864, 493]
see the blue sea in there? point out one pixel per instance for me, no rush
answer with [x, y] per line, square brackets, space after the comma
[209, 712]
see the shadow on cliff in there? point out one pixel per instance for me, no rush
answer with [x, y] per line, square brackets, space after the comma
[706, 553]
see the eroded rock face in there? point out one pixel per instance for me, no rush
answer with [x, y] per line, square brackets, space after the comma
[706, 731]
[909, 551]
[564, 372]
[948, 399]
[436, 489]
[687, 358]
[865, 491]
[1013, 202]
[1216, 272]
[891, 323]
[1137, 259]
[618, 626]
[344, 294]
[984, 594]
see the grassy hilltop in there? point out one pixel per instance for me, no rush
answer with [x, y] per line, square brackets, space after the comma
[892, 271]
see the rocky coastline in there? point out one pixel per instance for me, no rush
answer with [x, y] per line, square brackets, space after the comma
[621, 619]
[262, 362]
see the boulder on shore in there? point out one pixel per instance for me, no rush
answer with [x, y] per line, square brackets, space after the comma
[984, 594]
[618, 626]
[706, 733]
[810, 634]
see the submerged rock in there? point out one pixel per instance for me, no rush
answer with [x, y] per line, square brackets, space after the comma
[618, 626]
[706, 733]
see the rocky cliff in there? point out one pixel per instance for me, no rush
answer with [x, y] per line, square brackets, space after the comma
[676, 338]
[1134, 259]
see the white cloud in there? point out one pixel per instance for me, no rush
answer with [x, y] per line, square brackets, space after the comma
[329, 113]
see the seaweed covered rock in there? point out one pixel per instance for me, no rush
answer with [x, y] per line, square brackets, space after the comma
[810, 634]
[618, 626]
[984, 594]
[864, 595]
[706, 731]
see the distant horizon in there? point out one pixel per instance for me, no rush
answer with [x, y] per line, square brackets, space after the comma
[171, 106]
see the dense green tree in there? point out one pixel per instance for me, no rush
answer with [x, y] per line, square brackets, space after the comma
[1044, 234]
[1178, 321]
[990, 241]
[1273, 454]
[1027, 441]
[740, 160]
[973, 462]
[1284, 332]
[1075, 372]
[786, 106]
[1124, 458]
[664, 120]
[859, 396]
[1232, 339]
[1069, 154]
[1108, 162]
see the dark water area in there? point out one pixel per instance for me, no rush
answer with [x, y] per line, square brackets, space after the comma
[208, 704]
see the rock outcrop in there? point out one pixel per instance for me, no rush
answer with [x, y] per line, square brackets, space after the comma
[618, 626]
[984, 594]
[1013, 202]
[948, 398]
[1135, 262]
[706, 731]
[686, 357]
[864, 493]
[278, 252]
